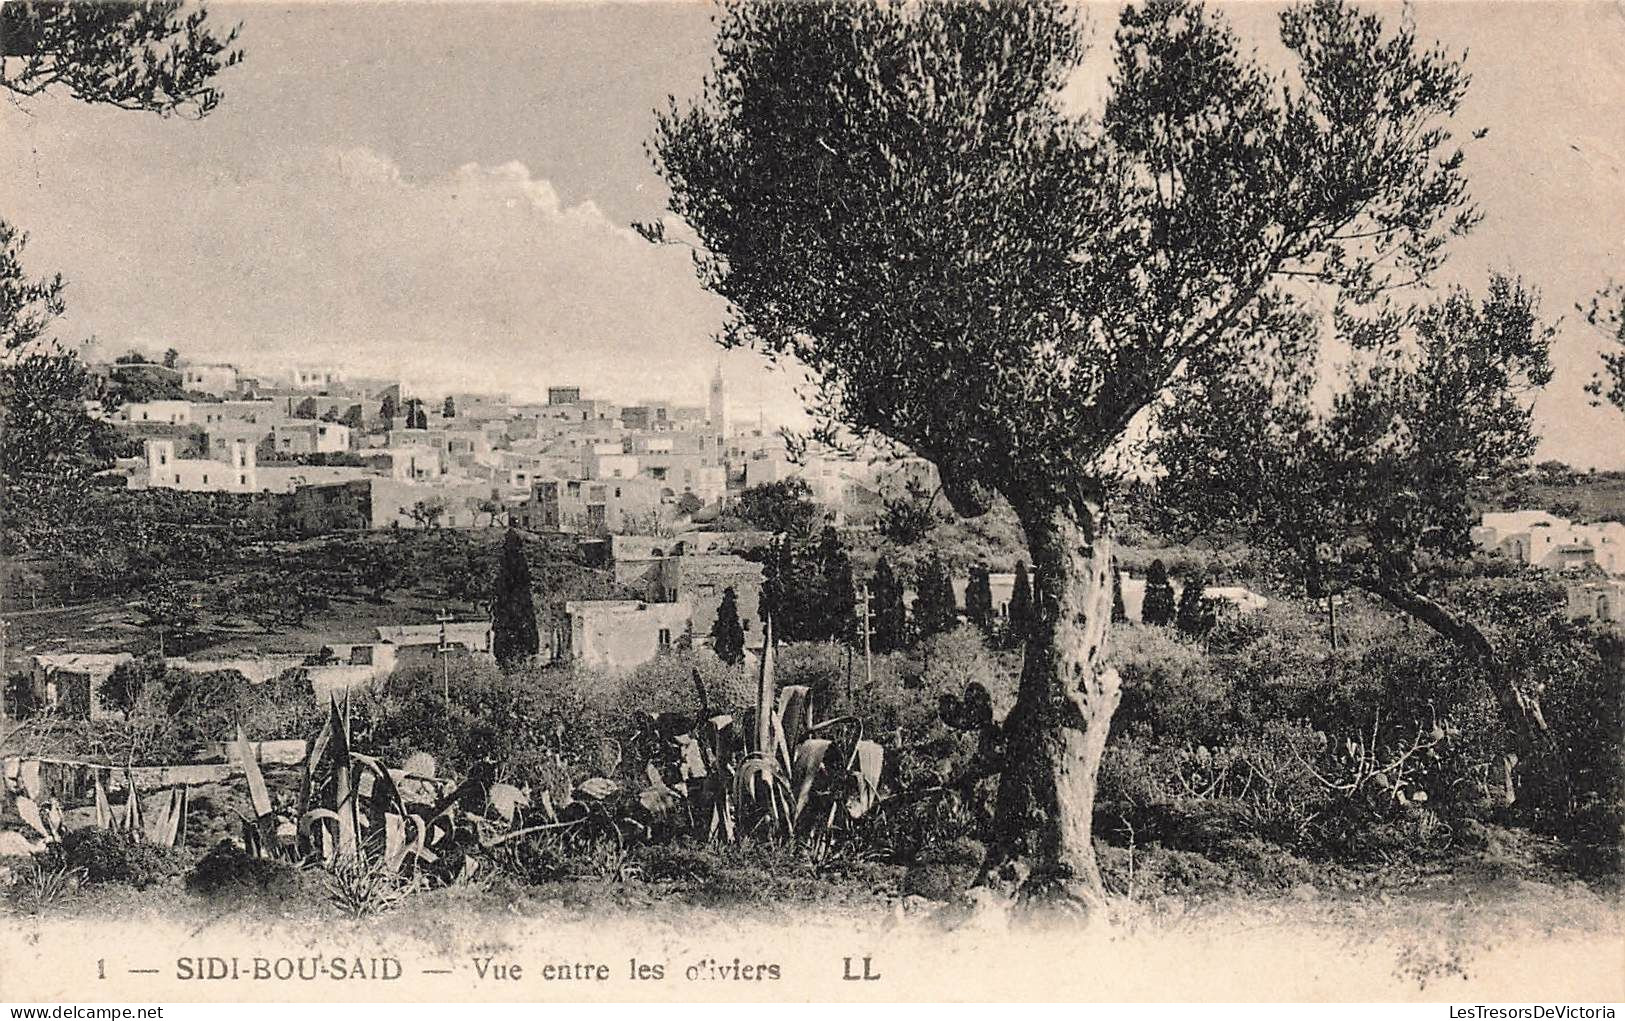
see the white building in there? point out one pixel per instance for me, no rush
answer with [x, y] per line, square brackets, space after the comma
[290, 478]
[257, 412]
[157, 412]
[835, 482]
[236, 472]
[472, 635]
[1601, 601]
[1544, 540]
[303, 436]
[609, 462]
[417, 462]
[314, 377]
[620, 634]
[217, 379]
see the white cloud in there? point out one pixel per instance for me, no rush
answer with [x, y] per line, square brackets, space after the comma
[482, 277]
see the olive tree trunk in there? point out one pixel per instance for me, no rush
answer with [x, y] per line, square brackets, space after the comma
[1056, 733]
[1547, 795]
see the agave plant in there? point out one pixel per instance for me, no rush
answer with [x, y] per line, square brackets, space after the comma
[365, 884]
[815, 776]
[351, 807]
[48, 882]
[798, 779]
[363, 820]
[166, 828]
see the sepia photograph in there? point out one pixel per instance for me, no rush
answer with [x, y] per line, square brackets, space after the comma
[812, 501]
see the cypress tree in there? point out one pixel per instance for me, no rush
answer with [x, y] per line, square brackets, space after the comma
[1019, 624]
[889, 620]
[1119, 611]
[768, 595]
[947, 600]
[836, 610]
[935, 609]
[727, 635]
[779, 598]
[1195, 616]
[979, 598]
[1158, 607]
[513, 613]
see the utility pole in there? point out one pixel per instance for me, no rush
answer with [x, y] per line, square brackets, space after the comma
[444, 649]
[848, 644]
[868, 666]
[5, 677]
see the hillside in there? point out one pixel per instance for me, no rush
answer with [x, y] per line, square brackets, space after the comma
[226, 594]
[1580, 496]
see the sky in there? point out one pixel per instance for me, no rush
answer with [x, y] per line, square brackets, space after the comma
[443, 191]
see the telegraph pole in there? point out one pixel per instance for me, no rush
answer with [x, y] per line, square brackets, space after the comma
[868, 666]
[5, 677]
[848, 644]
[443, 618]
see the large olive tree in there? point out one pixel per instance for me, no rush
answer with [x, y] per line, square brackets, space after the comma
[899, 196]
[1365, 475]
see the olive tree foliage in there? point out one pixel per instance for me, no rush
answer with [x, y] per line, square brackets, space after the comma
[49, 446]
[897, 196]
[27, 306]
[157, 57]
[1606, 314]
[1371, 486]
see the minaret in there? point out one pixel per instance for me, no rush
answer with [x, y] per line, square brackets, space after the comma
[718, 415]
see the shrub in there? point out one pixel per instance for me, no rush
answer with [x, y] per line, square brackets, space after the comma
[1170, 689]
[361, 884]
[228, 870]
[946, 869]
[957, 658]
[187, 709]
[107, 856]
[49, 882]
[521, 724]
[1158, 605]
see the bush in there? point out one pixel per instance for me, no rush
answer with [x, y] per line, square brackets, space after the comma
[1367, 753]
[361, 885]
[48, 882]
[228, 870]
[945, 870]
[666, 685]
[1170, 689]
[107, 856]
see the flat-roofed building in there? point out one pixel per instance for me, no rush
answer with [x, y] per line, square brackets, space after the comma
[235, 470]
[586, 505]
[158, 412]
[214, 378]
[302, 436]
[619, 634]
